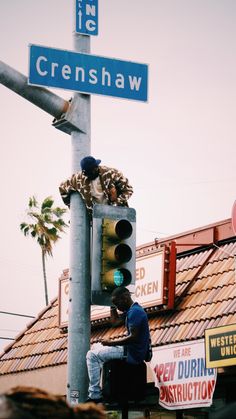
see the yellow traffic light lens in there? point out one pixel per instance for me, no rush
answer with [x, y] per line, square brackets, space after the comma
[119, 253]
[123, 253]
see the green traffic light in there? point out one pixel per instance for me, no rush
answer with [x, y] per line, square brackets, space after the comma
[118, 278]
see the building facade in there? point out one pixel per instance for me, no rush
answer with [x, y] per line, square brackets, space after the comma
[204, 298]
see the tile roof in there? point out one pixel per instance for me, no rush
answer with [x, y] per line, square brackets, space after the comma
[205, 298]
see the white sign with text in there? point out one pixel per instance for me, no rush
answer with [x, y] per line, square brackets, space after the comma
[182, 377]
[149, 279]
[148, 289]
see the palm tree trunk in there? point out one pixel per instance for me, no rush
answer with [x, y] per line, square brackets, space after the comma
[45, 278]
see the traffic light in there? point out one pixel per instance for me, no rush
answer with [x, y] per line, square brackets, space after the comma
[116, 253]
[113, 251]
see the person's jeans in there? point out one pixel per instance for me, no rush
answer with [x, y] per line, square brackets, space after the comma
[95, 360]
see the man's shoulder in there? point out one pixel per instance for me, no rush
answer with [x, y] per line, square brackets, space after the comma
[106, 169]
[79, 176]
[136, 307]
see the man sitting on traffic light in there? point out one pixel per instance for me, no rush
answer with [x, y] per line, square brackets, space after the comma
[134, 347]
[97, 184]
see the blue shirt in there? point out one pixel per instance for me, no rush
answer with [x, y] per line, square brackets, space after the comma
[137, 317]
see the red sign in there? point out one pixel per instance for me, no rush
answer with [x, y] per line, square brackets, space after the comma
[234, 217]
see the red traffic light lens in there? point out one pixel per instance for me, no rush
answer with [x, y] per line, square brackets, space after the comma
[123, 229]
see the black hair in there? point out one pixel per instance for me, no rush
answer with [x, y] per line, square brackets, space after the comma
[119, 291]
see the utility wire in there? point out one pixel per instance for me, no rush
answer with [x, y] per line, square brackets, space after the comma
[13, 314]
[17, 314]
[1, 337]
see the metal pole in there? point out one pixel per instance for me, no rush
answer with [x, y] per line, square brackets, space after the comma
[41, 97]
[80, 281]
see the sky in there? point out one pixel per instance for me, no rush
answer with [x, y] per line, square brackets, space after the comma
[178, 150]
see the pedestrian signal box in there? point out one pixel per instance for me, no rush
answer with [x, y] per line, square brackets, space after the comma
[113, 251]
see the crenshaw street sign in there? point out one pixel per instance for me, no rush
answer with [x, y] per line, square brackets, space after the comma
[86, 17]
[87, 73]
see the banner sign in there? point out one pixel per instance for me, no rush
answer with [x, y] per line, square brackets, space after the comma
[181, 375]
[220, 345]
[87, 73]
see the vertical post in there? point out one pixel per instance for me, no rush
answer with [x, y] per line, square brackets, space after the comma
[172, 275]
[125, 410]
[80, 280]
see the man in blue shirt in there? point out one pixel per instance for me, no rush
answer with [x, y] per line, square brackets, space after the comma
[133, 347]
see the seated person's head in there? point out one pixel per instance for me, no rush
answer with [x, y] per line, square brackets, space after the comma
[121, 298]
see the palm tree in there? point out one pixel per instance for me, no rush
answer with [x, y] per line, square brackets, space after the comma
[47, 224]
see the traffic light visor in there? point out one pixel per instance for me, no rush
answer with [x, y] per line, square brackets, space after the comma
[120, 230]
[119, 253]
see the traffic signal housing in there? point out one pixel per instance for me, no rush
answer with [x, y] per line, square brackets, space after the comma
[113, 251]
[116, 253]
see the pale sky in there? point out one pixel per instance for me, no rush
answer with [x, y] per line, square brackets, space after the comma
[178, 150]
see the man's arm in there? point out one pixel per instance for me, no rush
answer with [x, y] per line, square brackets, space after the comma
[115, 319]
[69, 186]
[123, 188]
[116, 185]
[131, 338]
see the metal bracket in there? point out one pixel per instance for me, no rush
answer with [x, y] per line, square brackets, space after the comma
[70, 121]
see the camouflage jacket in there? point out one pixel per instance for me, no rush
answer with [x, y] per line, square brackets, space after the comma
[109, 178]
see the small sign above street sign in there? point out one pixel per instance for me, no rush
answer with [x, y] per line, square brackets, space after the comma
[87, 73]
[86, 17]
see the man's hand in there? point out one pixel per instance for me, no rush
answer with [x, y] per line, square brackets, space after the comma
[113, 194]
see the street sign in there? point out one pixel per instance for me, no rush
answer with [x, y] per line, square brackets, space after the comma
[86, 17]
[87, 73]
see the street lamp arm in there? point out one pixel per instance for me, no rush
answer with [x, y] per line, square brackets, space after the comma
[39, 96]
